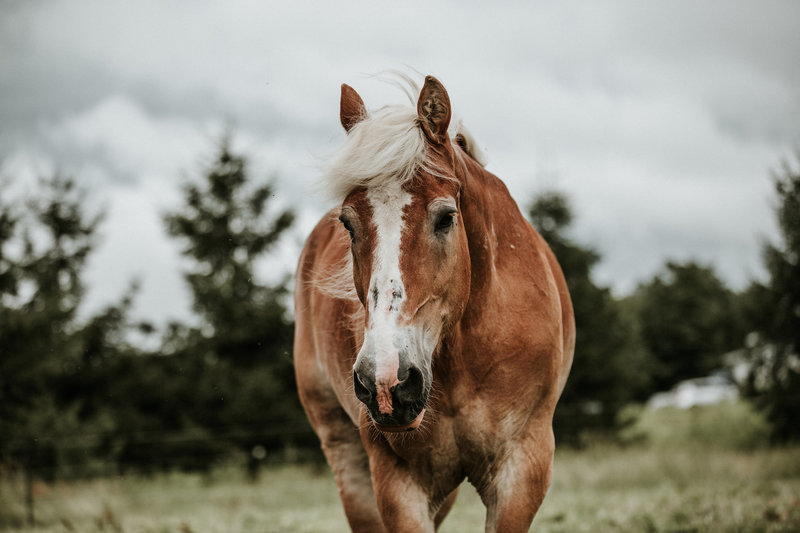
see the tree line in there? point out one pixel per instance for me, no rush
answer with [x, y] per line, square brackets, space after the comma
[679, 325]
[84, 396]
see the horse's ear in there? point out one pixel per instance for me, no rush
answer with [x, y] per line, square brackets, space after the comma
[433, 109]
[351, 108]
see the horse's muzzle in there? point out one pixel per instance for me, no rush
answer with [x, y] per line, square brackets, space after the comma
[399, 429]
[399, 407]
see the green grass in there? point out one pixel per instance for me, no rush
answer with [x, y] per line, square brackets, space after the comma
[706, 470]
[735, 426]
[607, 489]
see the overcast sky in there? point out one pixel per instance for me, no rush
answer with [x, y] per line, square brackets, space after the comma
[661, 121]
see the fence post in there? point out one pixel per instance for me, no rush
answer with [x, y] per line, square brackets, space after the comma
[29, 494]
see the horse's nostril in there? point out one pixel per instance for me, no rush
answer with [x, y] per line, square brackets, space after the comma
[410, 389]
[363, 392]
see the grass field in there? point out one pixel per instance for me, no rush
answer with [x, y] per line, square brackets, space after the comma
[683, 471]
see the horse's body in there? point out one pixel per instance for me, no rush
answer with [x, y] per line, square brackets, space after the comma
[433, 343]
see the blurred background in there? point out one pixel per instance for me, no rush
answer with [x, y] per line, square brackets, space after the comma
[159, 171]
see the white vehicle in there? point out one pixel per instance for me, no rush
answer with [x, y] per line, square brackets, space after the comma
[693, 392]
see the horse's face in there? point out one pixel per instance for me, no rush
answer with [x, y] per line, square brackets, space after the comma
[411, 272]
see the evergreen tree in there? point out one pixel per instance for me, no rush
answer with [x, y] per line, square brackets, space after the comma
[774, 382]
[244, 341]
[42, 290]
[45, 427]
[610, 368]
[225, 228]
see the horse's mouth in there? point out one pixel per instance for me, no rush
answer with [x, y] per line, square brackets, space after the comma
[411, 426]
[401, 413]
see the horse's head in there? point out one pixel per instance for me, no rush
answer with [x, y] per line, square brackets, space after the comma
[411, 268]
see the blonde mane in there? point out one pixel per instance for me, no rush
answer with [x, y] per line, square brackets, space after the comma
[388, 145]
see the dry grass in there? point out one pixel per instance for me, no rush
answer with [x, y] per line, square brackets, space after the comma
[658, 484]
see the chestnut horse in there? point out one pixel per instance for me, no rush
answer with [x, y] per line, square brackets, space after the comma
[434, 331]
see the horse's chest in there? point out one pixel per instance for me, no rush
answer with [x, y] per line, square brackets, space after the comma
[473, 440]
[481, 433]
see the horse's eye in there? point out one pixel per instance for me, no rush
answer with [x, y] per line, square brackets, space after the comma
[348, 227]
[445, 221]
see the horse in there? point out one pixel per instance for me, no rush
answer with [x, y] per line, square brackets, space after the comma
[434, 329]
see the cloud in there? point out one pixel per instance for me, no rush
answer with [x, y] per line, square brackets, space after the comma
[132, 163]
[119, 136]
[661, 121]
[134, 247]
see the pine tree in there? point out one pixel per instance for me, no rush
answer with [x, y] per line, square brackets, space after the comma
[775, 378]
[225, 228]
[42, 256]
[244, 340]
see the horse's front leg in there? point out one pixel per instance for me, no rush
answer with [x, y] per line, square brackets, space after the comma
[519, 485]
[403, 504]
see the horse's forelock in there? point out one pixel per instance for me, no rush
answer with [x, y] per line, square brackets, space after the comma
[389, 145]
[386, 145]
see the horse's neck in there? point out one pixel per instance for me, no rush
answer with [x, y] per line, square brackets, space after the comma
[488, 211]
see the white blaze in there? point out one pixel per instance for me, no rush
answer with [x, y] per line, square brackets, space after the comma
[386, 290]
